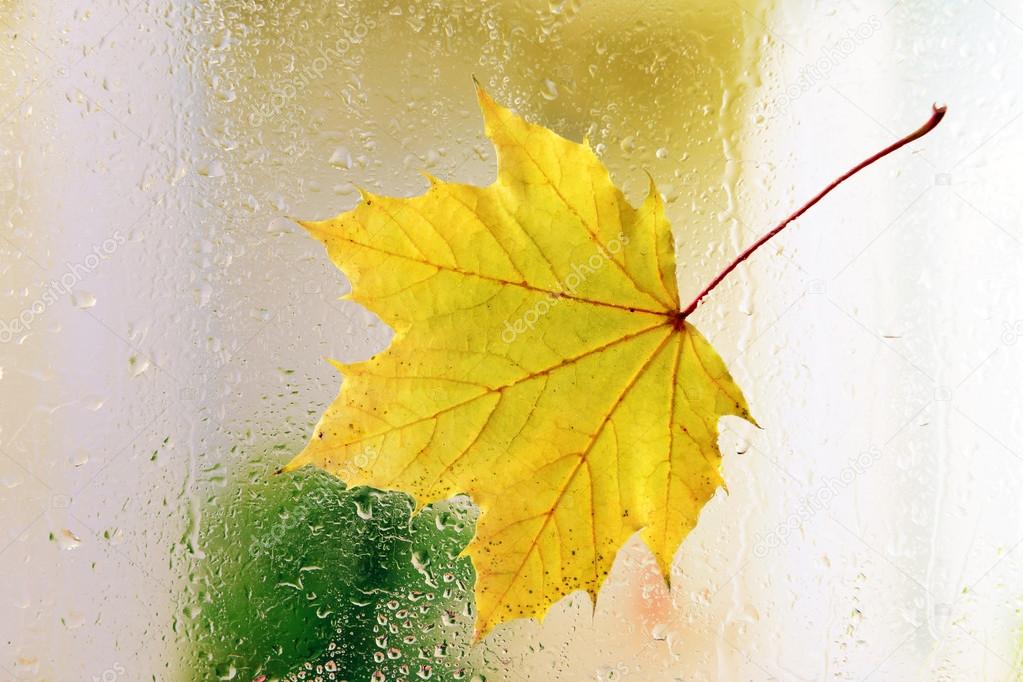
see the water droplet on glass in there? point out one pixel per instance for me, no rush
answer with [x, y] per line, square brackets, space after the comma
[67, 540]
[214, 169]
[550, 91]
[341, 158]
[364, 508]
[138, 365]
[83, 299]
[226, 671]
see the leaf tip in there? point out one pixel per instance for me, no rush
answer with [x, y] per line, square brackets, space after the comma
[653, 194]
[342, 367]
[306, 224]
[365, 194]
[487, 105]
[316, 228]
[483, 627]
[297, 462]
[431, 178]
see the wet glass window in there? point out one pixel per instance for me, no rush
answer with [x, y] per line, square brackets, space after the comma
[165, 325]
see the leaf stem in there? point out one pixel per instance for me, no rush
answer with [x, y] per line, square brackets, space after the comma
[936, 115]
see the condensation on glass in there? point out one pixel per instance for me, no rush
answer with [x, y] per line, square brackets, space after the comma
[164, 325]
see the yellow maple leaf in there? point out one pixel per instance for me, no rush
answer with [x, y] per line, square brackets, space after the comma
[542, 364]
